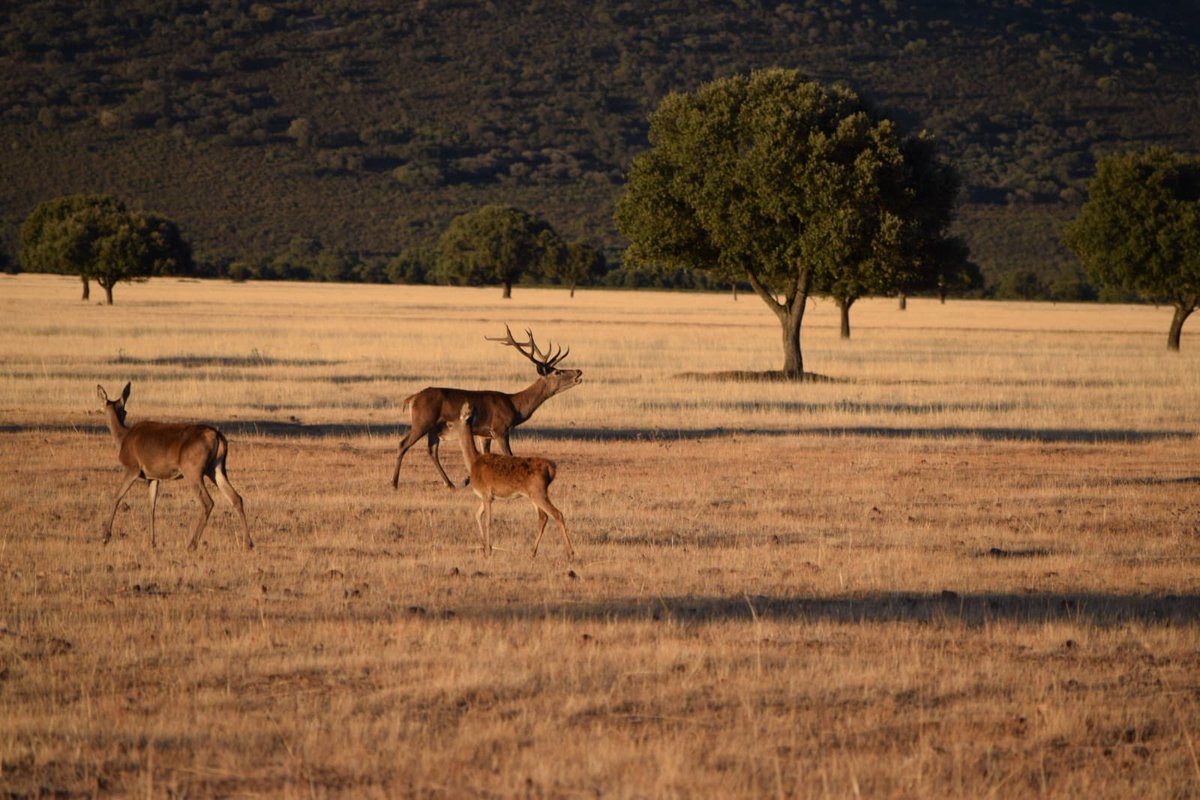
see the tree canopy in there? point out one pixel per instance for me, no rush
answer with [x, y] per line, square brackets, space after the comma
[96, 237]
[1139, 230]
[497, 244]
[795, 187]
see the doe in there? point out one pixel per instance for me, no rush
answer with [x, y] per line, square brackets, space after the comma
[495, 475]
[157, 451]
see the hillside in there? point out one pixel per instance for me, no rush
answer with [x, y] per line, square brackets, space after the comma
[367, 128]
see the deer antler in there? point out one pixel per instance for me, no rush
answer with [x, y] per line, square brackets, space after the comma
[541, 360]
[549, 361]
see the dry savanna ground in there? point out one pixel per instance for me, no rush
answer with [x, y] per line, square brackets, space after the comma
[966, 565]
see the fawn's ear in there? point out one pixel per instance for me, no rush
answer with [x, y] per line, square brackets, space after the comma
[103, 395]
[125, 392]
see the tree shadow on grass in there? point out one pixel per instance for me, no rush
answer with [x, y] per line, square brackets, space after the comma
[757, 376]
[1103, 610]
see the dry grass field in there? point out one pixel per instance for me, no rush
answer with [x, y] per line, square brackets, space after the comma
[967, 565]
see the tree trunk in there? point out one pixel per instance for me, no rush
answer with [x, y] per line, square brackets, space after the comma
[108, 287]
[793, 359]
[1182, 311]
[87, 288]
[844, 307]
[790, 314]
[507, 290]
[572, 290]
[735, 291]
[903, 302]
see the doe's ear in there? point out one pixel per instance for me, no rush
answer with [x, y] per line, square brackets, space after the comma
[103, 395]
[125, 392]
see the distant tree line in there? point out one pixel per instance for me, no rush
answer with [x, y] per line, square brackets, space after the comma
[417, 111]
[768, 181]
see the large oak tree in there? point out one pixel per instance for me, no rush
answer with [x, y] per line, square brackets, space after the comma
[792, 186]
[1139, 230]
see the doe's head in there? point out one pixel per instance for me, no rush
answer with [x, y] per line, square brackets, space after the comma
[118, 405]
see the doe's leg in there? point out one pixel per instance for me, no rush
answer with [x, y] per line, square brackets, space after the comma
[235, 500]
[542, 517]
[207, 502]
[545, 507]
[130, 477]
[484, 525]
[153, 504]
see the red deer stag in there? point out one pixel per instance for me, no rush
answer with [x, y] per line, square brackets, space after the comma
[496, 413]
[494, 475]
[164, 451]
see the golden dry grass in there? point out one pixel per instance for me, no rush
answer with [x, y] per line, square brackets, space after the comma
[969, 565]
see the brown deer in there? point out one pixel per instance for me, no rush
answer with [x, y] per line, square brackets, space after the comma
[494, 475]
[496, 413]
[164, 451]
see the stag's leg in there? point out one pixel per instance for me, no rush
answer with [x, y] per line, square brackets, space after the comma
[414, 435]
[130, 477]
[153, 504]
[235, 500]
[544, 507]
[206, 501]
[437, 462]
[502, 440]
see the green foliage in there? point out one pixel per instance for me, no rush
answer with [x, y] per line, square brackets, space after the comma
[401, 116]
[1019, 284]
[1139, 230]
[413, 265]
[793, 186]
[55, 237]
[497, 244]
[97, 237]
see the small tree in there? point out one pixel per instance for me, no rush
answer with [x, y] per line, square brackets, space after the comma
[582, 264]
[97, 237]
[789, 185]
[1139, 230]
[497, 244]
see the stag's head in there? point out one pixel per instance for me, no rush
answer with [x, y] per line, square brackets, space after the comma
[118, 405]
[546, 363]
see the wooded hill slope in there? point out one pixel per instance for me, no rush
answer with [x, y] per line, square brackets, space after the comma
[368, 125]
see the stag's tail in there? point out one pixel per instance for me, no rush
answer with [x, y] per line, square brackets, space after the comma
[408, 400]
